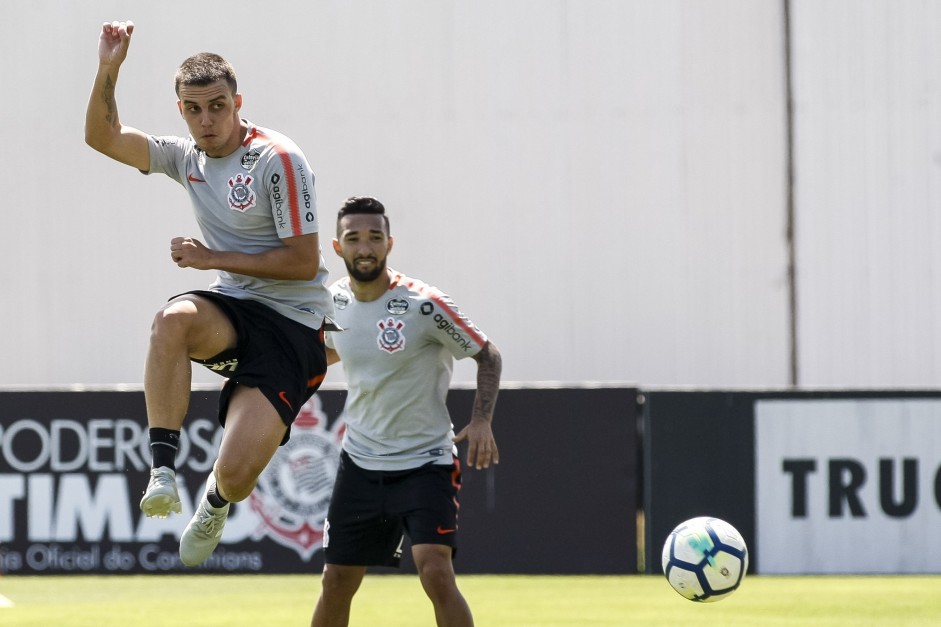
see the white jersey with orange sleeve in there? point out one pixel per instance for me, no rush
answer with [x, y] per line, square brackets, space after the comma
[398, 353]
[247, 202]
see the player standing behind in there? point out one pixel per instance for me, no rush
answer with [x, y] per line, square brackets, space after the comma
[260, 323]
[399, 473]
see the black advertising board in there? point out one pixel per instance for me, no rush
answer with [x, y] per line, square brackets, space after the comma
[698, 461]
[74, 464]
[563, 499]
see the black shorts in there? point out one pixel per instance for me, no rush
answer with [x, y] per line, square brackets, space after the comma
[284, 359]
[371, 511]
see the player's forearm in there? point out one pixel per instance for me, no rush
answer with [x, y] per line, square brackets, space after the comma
[489, 368]
[101, 116]
[278, 263]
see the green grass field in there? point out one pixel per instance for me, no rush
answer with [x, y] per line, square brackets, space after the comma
[497, 601]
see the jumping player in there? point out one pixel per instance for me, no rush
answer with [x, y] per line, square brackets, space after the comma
[399, 473]
[261, 322]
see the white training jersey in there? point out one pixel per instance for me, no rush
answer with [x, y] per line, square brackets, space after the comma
[398, 353]
[247, 202]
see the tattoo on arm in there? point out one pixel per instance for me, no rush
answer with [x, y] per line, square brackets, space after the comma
[107, 95]
[489, 366]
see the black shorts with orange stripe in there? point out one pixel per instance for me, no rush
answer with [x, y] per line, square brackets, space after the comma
[284, 359]
[372, 511]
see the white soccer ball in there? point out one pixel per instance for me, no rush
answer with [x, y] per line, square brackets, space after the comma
[705, 559]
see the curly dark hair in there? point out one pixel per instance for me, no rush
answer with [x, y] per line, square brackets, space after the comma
[362, 204]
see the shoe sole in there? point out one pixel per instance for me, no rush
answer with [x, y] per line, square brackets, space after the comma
[194, 561]
[160, 506]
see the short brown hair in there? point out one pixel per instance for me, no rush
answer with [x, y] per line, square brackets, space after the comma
[205, 68]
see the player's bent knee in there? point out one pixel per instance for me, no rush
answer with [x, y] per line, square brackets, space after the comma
[235, 483]
[173, 320]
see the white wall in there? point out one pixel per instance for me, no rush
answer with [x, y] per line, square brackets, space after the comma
[868, 192]
[599, 184]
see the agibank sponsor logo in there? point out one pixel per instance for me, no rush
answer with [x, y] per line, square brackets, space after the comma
[279, 199]
[306, 191]
[448, 327]
[304, 185]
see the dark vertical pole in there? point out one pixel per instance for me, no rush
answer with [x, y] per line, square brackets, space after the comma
[789, 183]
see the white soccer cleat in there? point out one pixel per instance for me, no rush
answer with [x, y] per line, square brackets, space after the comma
[202, 534]
[160, 498]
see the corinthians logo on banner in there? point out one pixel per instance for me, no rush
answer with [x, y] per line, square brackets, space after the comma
[293, 492]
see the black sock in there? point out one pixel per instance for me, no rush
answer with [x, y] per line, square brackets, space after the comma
[213, 496]
[163, 445]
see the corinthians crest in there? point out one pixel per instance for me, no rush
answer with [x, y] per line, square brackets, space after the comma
[293, 492]
[241, 194]
[390, 337]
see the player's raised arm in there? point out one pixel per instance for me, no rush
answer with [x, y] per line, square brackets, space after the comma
[103, 129]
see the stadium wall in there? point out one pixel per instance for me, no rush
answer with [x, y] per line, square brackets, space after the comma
[529, 153]
[73, 464]
[806, 477]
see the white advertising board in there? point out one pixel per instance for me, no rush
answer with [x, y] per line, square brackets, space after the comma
[848, 485]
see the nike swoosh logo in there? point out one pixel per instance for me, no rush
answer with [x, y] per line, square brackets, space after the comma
[442, 531]
[284, 397]
[193, 179]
